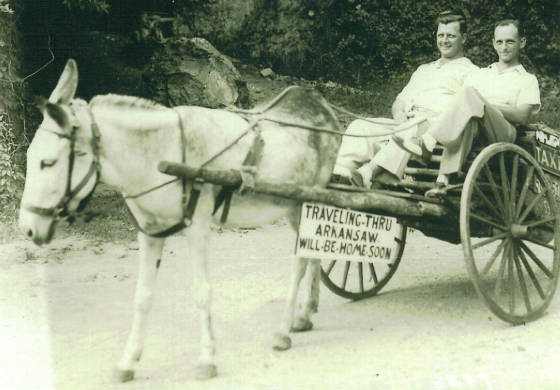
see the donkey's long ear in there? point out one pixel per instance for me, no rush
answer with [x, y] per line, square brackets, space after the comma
[67, 84]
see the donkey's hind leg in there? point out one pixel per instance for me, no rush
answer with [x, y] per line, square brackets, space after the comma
[302, 321]
[282, 340]
[150, 257]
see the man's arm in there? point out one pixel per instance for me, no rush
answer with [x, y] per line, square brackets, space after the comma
[410, 89]
[517, 115]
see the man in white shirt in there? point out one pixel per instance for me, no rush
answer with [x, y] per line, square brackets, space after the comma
[496, 97]
[429, 91]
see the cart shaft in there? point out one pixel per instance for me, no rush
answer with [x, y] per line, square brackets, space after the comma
[369, 201]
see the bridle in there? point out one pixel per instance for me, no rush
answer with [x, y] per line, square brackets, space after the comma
[60, 210]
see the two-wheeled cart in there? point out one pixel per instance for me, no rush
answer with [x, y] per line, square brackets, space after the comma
[503, 210]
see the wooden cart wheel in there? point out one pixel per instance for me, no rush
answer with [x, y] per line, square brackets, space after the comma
[359, 280]
[510, 232]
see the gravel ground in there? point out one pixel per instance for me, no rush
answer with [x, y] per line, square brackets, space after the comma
[65, 311]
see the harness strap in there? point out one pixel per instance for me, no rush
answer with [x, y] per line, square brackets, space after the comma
[162, 234]
[254, 156]
[44, 211]
[188, 207]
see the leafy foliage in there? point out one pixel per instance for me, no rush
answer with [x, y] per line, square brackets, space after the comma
[12, 139]
[99, 6]
[10, 181]
[357, 40]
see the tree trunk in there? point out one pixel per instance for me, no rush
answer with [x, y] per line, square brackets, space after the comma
[12, 137]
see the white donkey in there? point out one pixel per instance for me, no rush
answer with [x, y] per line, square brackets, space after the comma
[119, 140]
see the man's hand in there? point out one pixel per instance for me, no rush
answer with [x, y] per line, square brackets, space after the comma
[399, 113]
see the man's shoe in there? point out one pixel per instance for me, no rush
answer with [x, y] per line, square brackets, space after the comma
[357, 179]
[439, 191]
[339, 179]
[385, 178]
[415, 146]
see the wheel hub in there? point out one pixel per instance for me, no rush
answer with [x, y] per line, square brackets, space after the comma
[519, 231]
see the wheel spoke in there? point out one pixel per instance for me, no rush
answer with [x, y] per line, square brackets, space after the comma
[493, 258]
[339, 275]
[541, 243]
[510, 281]
[489, 240]
[330, 267]
[531, 274]
[532, 205]
[513, 190]
[345, 276]
[521, 278]
[493, 187]
[361, 276]
[521, 199]
[505, 187]
[489, 204]
[498, 286]
[488, 222]
[373, 273]
[536, 260]
[542, 222]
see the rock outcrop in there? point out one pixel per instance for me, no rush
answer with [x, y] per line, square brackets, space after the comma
[193, 72]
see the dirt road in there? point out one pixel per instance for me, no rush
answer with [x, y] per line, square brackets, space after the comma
[65, 311]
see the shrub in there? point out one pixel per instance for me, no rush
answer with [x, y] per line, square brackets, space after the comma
[359, 40]
[11, 181]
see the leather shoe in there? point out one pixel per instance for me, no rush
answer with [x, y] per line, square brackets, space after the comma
[339, 179]
[415, 146]
[385, 178]
[438, 191]
[357, 179]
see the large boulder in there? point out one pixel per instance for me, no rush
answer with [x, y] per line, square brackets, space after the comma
[192, 72]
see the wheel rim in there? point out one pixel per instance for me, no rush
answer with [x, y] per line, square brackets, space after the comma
[514, 264]
[359, 280]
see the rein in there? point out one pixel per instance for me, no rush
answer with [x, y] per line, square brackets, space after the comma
[190, 205]
[60, 210]
[225, 194]
[398, 127]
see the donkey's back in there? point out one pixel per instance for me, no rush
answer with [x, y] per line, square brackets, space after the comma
[292, 139]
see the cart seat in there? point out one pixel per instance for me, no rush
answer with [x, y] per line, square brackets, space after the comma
[538, 139]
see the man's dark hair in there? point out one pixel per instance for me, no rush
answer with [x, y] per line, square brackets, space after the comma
[516, 22]
[449, 16]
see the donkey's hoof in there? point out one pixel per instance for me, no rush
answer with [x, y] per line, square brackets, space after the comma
[282, 342]
[206, 371]
[124, 375]
[301, 324]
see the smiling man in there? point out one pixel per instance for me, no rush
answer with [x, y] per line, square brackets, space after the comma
[429, 91]
[494, 100]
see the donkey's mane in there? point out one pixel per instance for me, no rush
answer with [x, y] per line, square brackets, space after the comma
[124, 101]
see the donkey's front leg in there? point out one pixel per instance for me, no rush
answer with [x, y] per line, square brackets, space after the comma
[150, 258]
[198, 235]
[302, 321]
[282, 340]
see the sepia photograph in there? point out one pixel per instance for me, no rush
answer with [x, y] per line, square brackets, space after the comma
[279, 194]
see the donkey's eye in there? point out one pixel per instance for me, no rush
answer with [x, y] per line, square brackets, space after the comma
[79, 153]
[48, 163]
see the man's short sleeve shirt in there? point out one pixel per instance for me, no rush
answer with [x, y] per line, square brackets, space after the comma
[433, 85]
[511, 87]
